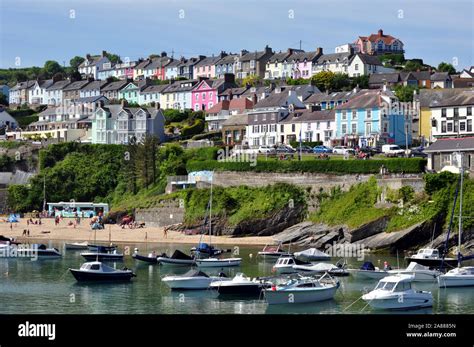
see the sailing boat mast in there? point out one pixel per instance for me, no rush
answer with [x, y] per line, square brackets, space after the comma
[461, 172]
[210, 211]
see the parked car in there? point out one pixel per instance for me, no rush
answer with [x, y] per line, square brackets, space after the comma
[418, 153]
[284, 149]
[392, 150]
[304, 149]
[343, 150]
[266, 149]
[322, 149]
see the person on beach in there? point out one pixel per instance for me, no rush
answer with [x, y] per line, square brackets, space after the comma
[28, 222]
[165, 233]
[11, 226]
[24, 232]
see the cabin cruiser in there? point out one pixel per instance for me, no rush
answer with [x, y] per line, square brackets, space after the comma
[431, 257]
[368, 271]
[177, 258]
[285, 265]
[96, 271]
[302, 290]
[457, 277]
[273, 251]
[312, 254]
[76, 246]
[421, 273]
[218, 262]
[103, 254]
[193, 279]
[240, 285]
[395, 292]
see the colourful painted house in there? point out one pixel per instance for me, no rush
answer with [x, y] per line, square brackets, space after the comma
[205, 95]
[130, 93]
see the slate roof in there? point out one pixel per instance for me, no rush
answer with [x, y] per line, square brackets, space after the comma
[177, 86]
[432, 97]
[76, 85]
[380, 78]
[94, 85]
[364, 99]
[156, 88]
[464, 98]
[236, 120]
[368, 59]
[309, 116]
[252, 56]
[240, 104]
[451, 145]
[335, 96]
[59, 85]
[231, 58]
[440, 76]
[274, 100]
[115, 86]
[24, 85]
[331, 58]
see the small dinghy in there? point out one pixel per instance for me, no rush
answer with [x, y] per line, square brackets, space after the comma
[178, 258]
[312, 254]
[76, 246]
[218, 262]
[102, 254]
[193, 279]
[96, 271]
[273, 251]
[368, 271]
[302, 290]
[395, 293]
[240, 285]
[152, 258]
[285, 265]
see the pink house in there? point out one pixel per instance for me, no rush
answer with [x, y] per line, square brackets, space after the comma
[204, 95]
[303, 63]
[206, 68]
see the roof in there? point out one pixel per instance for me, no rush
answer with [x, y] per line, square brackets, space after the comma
[142, 64]
[159, 62]
[114, 110]
[364, 99]
[301, 56]
[317, 98]
[90, 99]
[387, 39]
[463, 82]
[59, 85]
[92, 61]
[308, 115]
[274, 100]
[236, 120]
[95, 85]
[432, 97]
[378, 78]
[155, 88]
[240, 104]
[24, 85]
[368, 59]
[115, 86]
[421, 75]
[451, 144]
[76, 85]
[278, 57]
[252, 56]
[227, 59]
[333, 57]
[466, 97]
[46, 83]
[440, 76]
[180, 86]
[235, 91]
[208, 61]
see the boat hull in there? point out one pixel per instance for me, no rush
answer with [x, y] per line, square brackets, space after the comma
[295, 296]
[433, 262]
[455, 281]
[396, 303]
[150, 260]
[253, 289]
[368, 274]
[76, 246]
[188, 283]
[218, 262]
[102, 256]
[175, 262]
[82, 276]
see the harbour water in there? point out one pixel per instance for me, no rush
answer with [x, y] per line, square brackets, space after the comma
[47, 287]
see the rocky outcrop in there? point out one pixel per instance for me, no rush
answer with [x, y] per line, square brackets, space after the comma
[310, 234]
[375, 227]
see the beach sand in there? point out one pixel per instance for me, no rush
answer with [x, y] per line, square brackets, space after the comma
[48, 231]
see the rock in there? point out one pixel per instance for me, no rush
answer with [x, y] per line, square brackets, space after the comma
[310, 234]
[366, 230]
[328, 239]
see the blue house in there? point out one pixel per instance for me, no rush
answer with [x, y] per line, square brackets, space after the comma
[372, 118]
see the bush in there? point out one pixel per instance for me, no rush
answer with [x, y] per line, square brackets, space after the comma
[196, 128]
[336, 166]
[438, 181]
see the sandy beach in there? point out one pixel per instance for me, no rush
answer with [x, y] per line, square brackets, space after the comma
[48, 231]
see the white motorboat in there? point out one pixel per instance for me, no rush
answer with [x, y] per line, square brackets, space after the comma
[95, 271]
[193, 279]
[395, 292]
[312, 254]
[321, 268]
[457, 277]
[368, 271]
[240, 285]
[431, 257]
[76, 245]
[285, 265]
[302, 290]
[273, 251]
[218, 262]
[178, 258]
[102, 254]
[39, 250]
[421, 273]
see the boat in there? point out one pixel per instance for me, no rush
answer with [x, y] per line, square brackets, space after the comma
[218, 262]
[284, 265]
[95, 248]
[421, 273]
[273, 251]
[240, 285]
[461, 276]
[203, 250]
[302, 290]
[103, 254]
[96, 271]
[368, 271]
[193, 279]
[152, 258]
[312, 254]
[177, 258]
[431, 257]
[41, 250]
[395, 292]
[76, 245]
[321, 268]
[457, 277]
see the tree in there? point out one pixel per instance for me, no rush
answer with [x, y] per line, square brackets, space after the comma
[446, 67]
[76, 61]
[51, 68]
[341, 81]
[360, 81]
[412, 65]
[252, 80]
[3, 99]
[323, 80]
[114, 58]
[405, 93]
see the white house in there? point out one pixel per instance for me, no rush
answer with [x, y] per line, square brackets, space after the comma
[151, 94]
[36, 94]
[54, 93]
[91, 66]
[365, 64]
[178, 95]
[335, 62]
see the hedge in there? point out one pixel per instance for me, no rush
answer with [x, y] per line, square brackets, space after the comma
[296, 144]
[336, 166]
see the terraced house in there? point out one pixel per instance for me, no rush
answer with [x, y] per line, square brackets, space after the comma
[303, 63]
[92, 65]
[186, 67]
[178, 95]
[19, 94]
[225, 65]
[280, 65]
[111, 90]
[207, 66]
[36, 94]
[370, 119]
[205, 93]
[334, 62]
[54, 94]
[253, 63]
[151, 94]
[72, 91]
[116, 124]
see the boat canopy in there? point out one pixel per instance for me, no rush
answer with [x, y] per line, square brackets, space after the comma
[368, 266]
[180, 255]
[415, 266]
[312, 252]
[195, 273]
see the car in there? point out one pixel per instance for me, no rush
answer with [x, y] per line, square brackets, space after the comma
[339, 149]
[284, 149]
[266, 149]
[304, 149]
[418, 153]
[392, 151]
[322, 149]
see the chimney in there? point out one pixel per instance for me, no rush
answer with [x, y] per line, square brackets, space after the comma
[163, 54]
[380, 32]
[229, 78]
[254, 98]
[290, 93]
[319, 51]
[88, 56]
[272, 86]
[243, 52]
[104, 53]
[124, 103]
[202, 78]
[90, 79]
[268, 50]
[201, 57]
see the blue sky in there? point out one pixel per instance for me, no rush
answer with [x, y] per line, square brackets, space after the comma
[36, 31]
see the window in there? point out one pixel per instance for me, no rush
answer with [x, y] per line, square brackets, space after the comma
[264, 117]
[344, 129]
[443, 127]
[344, 115]
[456, 112]
[369, 113]
[385, 127]
[282, 128]
[293, 127]
[204, 96]
[469, 111]
[354, 114]
[255, 118]
[317, 125]
[354, 128]
[443, 112]
[469, 125]
[356, 67]
[328, 124]
[368, 128]
[255, 129]
[450, 126]
[462, 126]
[197, 96]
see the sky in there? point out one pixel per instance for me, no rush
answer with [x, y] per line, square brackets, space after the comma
[33, 31]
